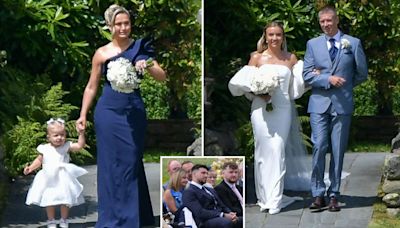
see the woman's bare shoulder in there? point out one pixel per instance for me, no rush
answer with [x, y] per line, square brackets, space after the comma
[254, 58]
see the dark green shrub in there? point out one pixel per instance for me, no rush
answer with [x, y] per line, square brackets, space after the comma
[365, 101]
[155, 96]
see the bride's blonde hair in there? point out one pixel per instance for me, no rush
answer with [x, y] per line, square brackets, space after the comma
[110, 14]
[262, 44]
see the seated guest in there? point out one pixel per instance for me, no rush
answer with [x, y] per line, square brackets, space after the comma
[240, 179]
[187, 166]
[229, 192]
[173, 194]
[173, 166]
[211, 178]
[207, 208]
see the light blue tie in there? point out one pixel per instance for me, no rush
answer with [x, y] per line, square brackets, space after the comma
[333, 50]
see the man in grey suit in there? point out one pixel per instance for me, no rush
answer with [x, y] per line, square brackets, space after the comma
[334, 64]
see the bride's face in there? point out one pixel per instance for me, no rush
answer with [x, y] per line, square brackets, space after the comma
[274, 37]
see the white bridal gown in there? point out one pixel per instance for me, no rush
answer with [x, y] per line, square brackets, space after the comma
[272, 131]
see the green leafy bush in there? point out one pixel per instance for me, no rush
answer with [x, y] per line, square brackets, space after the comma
[365, 98]
[155, 96]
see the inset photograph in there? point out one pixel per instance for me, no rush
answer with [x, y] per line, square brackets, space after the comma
[202, 191]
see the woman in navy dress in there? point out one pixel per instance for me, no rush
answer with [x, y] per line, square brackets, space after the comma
[120, 124]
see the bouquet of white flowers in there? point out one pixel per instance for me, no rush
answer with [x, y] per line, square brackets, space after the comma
[264, 85]
[123, 76]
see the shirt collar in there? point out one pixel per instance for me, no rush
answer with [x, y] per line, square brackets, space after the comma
[229, 184]
[336, 37]
[196, 184]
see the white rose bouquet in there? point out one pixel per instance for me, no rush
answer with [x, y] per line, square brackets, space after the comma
[123, 76]
[264, 84]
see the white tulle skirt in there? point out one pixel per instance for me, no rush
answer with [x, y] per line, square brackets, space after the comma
[57, 184]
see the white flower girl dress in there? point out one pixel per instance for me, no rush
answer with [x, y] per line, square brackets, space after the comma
[57, 182]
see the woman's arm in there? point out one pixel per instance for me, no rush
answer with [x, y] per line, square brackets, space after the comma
[169, 201]
[34, 165]
[91, 89]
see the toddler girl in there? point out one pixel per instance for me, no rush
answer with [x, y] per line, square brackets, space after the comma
[56, 184]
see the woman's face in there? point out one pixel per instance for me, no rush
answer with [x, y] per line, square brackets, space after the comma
[122, 26]
[212, 177]
[184, 180]
[274, 36]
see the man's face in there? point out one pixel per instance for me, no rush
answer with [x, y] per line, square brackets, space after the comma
[329, 23]
[230, 175]
[174, 166]
[200, 176]
[188, 168]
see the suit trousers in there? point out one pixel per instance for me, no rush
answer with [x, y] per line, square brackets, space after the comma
[330, 132]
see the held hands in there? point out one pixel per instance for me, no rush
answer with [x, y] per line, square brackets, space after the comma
[231, 216]
[80, 124]
[266, 97]
[336, 81]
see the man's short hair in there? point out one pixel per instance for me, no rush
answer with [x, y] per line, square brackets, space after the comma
[199, 166]
[231, 165]
[327, 8]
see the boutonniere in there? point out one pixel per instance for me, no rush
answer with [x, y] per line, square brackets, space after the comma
[345, 44]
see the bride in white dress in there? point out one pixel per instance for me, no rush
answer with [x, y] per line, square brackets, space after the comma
[273, 129]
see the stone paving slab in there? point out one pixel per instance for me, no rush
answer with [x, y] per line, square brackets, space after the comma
[17, 214]
[358, 191]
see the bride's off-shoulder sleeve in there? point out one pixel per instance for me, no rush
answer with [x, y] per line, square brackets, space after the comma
[239, 84]
[297, 86]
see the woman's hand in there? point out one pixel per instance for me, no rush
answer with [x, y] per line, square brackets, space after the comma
[80, 124]
[27, 170]
[266, 97]
[140, 66]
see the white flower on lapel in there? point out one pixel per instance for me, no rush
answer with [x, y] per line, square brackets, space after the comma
[345, 43]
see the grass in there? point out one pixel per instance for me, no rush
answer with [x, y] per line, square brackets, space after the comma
[381, 219]
[153, 155]
[367, 146]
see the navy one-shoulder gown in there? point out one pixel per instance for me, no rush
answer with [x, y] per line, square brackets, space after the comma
[120, 124]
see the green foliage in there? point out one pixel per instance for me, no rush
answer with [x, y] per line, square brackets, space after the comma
[365, 98]
[376, 24]
[21, 143]
[155, 96]
[396, 100]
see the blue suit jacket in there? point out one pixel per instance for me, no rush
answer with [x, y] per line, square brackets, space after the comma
[350, 63]
[202, 205]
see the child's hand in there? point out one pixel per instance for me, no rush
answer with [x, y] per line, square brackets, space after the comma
[27, 170]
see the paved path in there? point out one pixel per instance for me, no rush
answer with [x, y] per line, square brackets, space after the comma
[17, 214]
[358, 191]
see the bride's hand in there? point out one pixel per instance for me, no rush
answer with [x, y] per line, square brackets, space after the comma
[266, 97]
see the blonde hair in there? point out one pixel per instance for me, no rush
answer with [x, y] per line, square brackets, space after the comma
[112, 12]
[262, 44]
[175, 181]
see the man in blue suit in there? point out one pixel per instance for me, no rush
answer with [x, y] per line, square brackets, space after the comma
[334, 64]
[207, 208]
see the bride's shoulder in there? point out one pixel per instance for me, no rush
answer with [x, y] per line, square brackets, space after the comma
[254, 58]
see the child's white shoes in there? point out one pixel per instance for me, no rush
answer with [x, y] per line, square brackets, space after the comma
[51, 224]
[64, 223]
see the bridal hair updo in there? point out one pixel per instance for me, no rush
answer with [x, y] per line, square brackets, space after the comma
[262, 44]
[111, 13]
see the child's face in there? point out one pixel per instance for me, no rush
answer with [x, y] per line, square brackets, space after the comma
[56, 135]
